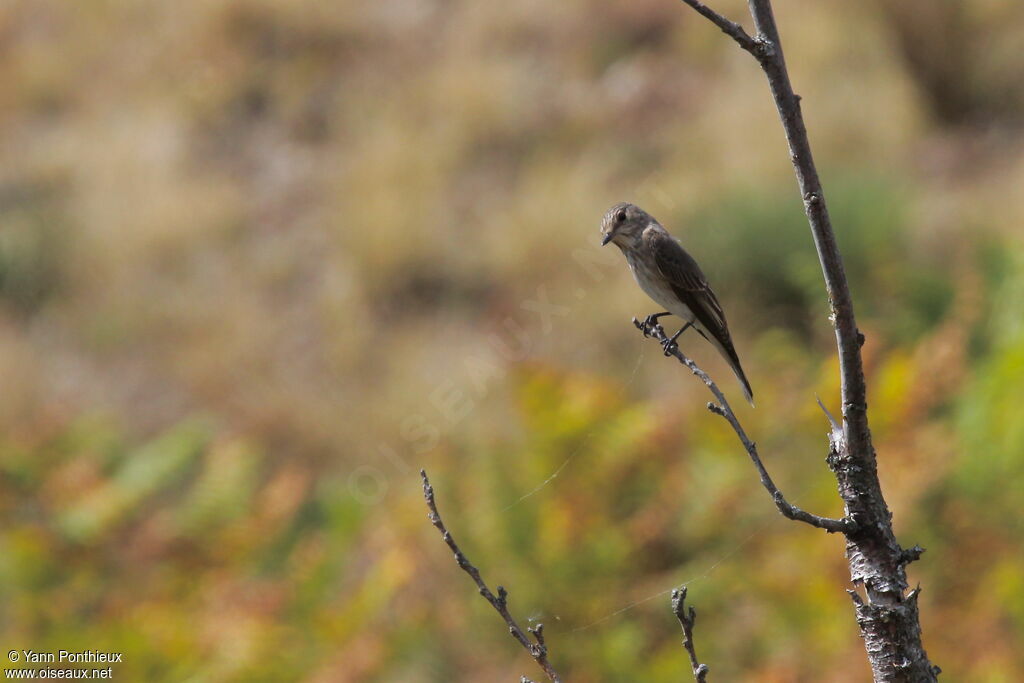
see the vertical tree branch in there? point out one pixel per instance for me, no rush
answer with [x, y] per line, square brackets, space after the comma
[848, 338]
[888, 619]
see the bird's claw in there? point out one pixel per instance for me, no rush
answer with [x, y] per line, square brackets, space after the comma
[649, 323]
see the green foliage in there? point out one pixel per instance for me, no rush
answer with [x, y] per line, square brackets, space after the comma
[156, 466]
[33, 237]
[988, 420]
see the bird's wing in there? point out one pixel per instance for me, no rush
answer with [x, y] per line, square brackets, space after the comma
[688, 282]
[690, 285]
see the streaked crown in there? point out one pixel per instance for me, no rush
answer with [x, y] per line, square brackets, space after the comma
[624, 223]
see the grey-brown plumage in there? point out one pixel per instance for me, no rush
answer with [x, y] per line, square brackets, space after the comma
[670, 276]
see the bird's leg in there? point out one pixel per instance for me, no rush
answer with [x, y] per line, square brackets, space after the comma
[651, 320]
[668, 343]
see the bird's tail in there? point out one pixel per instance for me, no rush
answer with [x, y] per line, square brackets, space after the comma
[734, 363]
[729, 353]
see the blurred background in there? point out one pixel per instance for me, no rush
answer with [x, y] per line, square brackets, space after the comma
[261, 261]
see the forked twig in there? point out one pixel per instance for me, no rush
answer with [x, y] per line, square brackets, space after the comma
[687, 618]
[536, 646]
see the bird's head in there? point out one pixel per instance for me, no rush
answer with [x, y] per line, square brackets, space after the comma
[623, 224]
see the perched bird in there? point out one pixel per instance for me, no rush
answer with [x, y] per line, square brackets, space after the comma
[672, 278]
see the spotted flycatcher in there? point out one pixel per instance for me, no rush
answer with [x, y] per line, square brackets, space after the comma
[672, 278]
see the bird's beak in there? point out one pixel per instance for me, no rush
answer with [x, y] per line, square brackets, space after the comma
[606, 239]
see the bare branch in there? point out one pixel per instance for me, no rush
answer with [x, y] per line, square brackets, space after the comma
[729, 28]
[687, 618]
[721, 407]
[538, 650]
[889, 621]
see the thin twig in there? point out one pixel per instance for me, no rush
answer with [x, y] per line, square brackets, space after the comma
[721, 407]
[537, 649]
[687, 618]
[729, 28]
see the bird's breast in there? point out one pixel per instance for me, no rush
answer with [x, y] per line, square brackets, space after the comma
[656, 286]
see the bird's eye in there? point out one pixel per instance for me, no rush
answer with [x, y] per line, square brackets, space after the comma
[620, 216]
